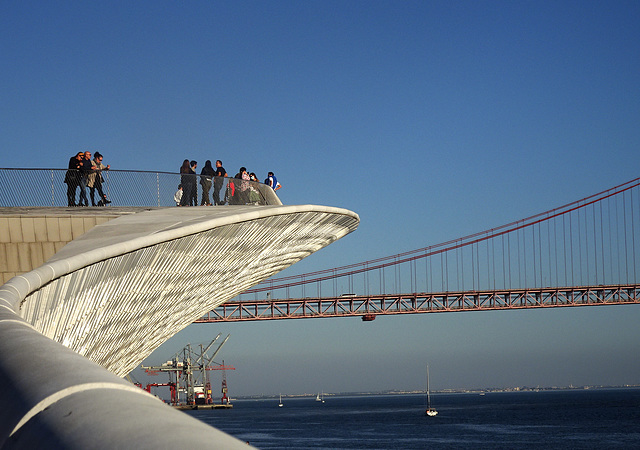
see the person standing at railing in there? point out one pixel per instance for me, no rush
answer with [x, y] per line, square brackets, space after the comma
[241, 188]
[184, 181]
[95, 180]
[218, 181]
[72, 177]
[206, 175]
[194, 188]
[86, 168]
[188, 181]
[254, 194]
[272, 181]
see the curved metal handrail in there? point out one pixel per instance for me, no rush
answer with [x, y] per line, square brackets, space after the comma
[47, 188]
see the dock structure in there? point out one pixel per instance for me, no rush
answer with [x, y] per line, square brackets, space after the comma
[110, 294]
[203, 407]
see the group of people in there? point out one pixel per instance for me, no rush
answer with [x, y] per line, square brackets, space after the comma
[243, 193]
[84, 172]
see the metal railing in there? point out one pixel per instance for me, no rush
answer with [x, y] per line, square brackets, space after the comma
[47, 187]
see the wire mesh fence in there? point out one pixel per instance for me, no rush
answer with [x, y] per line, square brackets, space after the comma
[63, 188]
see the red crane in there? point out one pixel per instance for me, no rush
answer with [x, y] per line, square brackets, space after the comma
[225, 399]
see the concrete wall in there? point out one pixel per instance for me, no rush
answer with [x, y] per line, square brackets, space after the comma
[30, 236]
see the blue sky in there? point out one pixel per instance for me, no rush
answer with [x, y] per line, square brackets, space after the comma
[431, 120]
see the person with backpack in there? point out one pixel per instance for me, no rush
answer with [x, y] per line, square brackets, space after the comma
[272, 181]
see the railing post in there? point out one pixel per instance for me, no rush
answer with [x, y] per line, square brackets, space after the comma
[108, 183]
[52, 191]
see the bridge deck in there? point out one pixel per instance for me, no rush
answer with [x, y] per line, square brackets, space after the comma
[370, 306]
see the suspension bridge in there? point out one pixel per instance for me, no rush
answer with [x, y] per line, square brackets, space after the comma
[585, 253]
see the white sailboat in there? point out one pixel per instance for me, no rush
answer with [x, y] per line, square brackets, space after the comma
[431, 412]
[280, 404]
[319, 397]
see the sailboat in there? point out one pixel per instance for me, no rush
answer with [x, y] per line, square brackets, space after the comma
[280, 404]
[319, 397]
[431, 412]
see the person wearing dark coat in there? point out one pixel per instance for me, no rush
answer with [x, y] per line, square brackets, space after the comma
[86, 169]
[194, 184]
[72, 177]
[206, 175]
[185, 171]
[188, 181]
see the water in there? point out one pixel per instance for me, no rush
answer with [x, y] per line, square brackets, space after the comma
[603, 418]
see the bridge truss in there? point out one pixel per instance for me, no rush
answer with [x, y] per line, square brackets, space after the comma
[368, 307]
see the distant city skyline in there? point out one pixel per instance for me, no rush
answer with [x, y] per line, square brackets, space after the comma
[431, 120]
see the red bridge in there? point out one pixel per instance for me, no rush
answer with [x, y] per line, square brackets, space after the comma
[585, 253]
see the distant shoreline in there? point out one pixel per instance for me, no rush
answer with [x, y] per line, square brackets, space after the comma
[442, 391]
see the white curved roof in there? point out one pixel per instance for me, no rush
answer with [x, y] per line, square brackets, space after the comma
[122, 289]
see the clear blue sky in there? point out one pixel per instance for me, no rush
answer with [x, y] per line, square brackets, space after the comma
[432, 120]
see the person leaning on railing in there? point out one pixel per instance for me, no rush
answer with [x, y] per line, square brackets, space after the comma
[95, 180]
[86, 168]
[218, 181]
[272, 181]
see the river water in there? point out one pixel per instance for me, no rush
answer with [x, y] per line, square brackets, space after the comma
[595, 418]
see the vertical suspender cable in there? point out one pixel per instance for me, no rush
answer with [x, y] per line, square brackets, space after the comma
[446, 265]
[463, 285]
[366, 279]
[524, 253]
[581, 279]
[549, 251]
[442, 271]
[411, 279]
[504, 274]
[519, 269]
[618, 241]
[488, 267]
[509, 257]
[633, 238]
[586, 247]
[540, 253]
[473, 267]
[626, 247]
[430, 264]
[533, 246]
[493, 260]
[555, 246]
[595, 243]
[399, 281]
[564, 248]
[571, 247]
[426, 272]
[610, 233]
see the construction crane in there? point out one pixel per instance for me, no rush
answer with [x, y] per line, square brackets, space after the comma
[188, 373]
